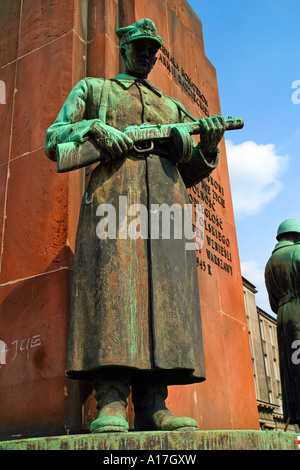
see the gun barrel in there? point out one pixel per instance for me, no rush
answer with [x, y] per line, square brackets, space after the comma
[234, 123]
[230, 125]
[148, 132]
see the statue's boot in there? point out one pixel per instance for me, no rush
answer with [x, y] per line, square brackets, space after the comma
[152, 414]
[111, 399]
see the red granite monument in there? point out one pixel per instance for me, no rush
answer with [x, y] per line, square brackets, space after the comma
[45, 49]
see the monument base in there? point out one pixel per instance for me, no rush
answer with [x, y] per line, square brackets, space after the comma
[160, 441]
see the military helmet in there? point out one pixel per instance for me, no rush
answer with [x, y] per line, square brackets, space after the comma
[143, 29]
[288, 225]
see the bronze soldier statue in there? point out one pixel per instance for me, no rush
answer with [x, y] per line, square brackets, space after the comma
[282, 276]
[135, 309]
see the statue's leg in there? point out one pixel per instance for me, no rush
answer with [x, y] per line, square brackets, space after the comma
[151, 412]
[111, 396]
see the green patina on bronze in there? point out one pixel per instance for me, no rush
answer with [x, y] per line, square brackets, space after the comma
[282, 276]
[135, 303]
[71, 156]
[161, 441]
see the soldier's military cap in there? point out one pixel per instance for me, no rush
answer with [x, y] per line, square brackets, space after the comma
[143, 29]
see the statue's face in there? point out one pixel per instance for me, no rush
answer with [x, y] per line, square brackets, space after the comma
[139, 57]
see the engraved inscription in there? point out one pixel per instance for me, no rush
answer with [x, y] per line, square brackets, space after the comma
[183, 79]
[217, 246]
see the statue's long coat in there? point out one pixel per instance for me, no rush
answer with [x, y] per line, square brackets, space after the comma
[135, 303]
[282, 275]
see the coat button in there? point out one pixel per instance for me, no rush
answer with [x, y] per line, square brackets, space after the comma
[149, 119]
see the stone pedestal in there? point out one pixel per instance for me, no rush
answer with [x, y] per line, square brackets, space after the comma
[45, 48]
[155, 443]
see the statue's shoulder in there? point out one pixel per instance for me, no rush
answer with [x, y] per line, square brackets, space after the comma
[96, 93]
[180, 107]
[173, 99]
[93, 82]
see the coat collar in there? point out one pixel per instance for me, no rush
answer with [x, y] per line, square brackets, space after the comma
[284, 243]
[127, 81]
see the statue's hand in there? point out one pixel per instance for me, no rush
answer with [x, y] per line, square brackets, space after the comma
[211, 132]
[111, 140]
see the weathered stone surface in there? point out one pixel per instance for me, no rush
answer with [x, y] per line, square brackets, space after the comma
[156, 441]
[38, 216]
[7, 75]
[9, 26]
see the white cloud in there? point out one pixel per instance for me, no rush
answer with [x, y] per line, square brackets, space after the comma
[252, 272]
[255, 171]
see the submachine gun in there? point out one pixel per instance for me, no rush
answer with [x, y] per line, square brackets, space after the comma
[72, 155]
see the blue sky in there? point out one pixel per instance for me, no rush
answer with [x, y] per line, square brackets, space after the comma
[255, 48]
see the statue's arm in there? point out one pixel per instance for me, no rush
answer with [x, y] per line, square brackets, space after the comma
[201, 163]
[271, 286]
[71, 124]
[273, 302]
[199, 166]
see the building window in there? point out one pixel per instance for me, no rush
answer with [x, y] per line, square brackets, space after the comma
[266, 366]
[270, 396]
[271, 335]
[262, 330]
[246, 304]
[255, 386]
[251, 346]
[280, 403]
[275, 370]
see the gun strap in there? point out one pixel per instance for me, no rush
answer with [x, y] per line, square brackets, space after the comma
[179, 106]
[104, 100]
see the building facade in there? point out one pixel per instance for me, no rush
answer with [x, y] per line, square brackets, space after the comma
[265, 361]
